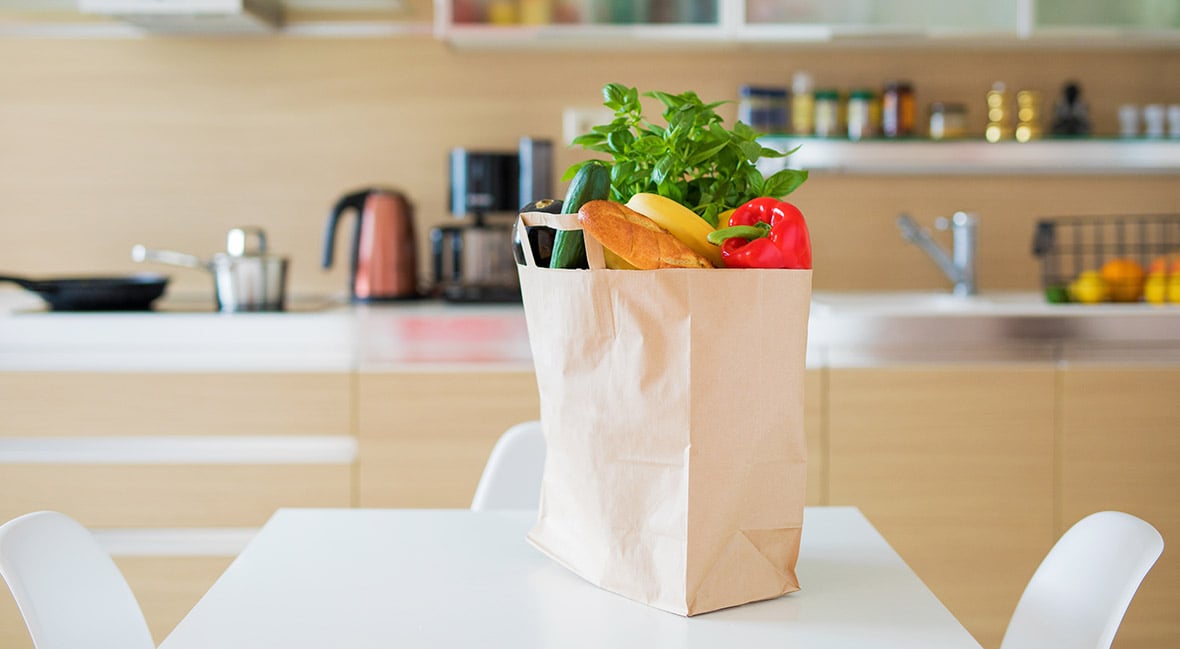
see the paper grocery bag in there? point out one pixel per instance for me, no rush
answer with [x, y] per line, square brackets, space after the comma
[672, 407]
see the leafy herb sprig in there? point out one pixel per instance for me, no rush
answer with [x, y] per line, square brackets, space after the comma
[694, 159]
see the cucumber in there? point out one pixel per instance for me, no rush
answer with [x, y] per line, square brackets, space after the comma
[591, 183]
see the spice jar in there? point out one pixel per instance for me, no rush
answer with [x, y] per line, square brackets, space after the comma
[860, 114]
[947, 121]
[763, 109]
[802, 105]
[827, 113]
[898, 110]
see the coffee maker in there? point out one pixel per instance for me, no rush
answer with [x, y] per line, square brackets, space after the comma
[472, 261]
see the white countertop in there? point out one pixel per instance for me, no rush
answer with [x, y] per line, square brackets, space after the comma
[329, 334]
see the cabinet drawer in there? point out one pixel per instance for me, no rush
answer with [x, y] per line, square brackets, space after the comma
[113, 495]
[71, 404]
[425, 437]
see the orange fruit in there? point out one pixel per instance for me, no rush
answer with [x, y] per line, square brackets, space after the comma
[1165, 264]
[1124, 279]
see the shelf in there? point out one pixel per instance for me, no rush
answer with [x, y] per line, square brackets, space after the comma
[1010, 23]
[884, 157]
[633, 36]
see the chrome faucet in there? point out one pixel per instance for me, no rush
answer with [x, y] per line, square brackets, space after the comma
[959, 265]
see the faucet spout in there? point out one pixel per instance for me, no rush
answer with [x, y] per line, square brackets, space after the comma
[959, 264]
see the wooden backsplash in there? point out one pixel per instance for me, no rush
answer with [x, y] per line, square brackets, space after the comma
[170, 142]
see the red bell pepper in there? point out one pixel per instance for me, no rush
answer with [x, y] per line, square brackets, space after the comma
[765, 233]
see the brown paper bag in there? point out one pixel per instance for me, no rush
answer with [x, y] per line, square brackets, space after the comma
[672, 406]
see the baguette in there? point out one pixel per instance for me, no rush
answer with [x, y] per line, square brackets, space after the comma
[635, 238]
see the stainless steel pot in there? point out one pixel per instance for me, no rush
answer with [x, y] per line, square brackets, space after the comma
[245, 276]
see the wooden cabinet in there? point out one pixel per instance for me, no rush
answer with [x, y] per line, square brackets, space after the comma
[133, 451]
[955, 466]
[971, 470]
[165, 403]
[425, 436]
[1120, 449]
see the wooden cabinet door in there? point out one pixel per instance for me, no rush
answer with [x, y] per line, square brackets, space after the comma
[1120, 449]
[954, 465]
[425, 436]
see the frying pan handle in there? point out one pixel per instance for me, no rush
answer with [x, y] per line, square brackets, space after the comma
[140, 253]
[28, 284]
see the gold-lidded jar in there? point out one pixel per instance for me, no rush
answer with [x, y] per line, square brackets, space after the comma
[1028, 116]
[998, 118]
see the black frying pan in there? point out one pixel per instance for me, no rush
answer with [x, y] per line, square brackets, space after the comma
[128, 293]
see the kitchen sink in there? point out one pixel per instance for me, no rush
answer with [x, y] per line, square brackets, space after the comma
[930, 301]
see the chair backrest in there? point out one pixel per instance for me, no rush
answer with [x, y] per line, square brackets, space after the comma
[512, 477]
[1077, 597]
[69, 591]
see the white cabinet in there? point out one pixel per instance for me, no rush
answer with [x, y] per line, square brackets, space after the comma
[615, 23]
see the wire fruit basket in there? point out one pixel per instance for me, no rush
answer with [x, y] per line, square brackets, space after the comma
[1097, 259]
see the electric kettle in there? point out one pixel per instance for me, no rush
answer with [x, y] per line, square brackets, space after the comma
[384, 263]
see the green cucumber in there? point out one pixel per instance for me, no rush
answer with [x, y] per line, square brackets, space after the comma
[590, 183]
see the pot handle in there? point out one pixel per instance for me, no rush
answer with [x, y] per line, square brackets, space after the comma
[141, 254]
[28, 284]
[236, 240]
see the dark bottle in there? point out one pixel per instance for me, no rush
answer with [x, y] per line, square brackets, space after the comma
[1071, 116]
[898, 110]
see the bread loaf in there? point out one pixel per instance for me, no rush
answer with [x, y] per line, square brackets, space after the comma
[636, 238]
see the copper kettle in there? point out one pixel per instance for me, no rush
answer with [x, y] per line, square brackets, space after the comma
[384, 264]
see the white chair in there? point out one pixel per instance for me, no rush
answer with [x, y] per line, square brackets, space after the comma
[69, 591]
[1077, 597]
[512, 477]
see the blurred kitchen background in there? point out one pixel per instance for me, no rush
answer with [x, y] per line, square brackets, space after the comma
[109, 138]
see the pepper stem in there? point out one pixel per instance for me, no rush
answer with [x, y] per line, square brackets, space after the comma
[747, 232]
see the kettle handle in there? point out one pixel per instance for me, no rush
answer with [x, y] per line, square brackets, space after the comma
[353, 201]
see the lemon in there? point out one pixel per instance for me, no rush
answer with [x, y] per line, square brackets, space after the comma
[1089, 288]
[1155, 290]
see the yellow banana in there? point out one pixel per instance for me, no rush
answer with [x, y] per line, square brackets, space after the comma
[680, 221]
[614, 261]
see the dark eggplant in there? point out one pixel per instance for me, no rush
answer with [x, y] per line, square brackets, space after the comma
[126, 293]
[540, 237]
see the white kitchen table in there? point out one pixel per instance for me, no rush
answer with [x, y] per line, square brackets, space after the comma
[392, 579]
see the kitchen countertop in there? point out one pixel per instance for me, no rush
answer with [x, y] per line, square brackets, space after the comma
[329, 334]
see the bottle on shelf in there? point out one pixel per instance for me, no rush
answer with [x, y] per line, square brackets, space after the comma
[898, 110]
[998, 118]
[860, 114]
[827, 113]
[535, 12]
[1028, 116]
[802, 105]
[1071, 115]
[763, 109]
[948, 121]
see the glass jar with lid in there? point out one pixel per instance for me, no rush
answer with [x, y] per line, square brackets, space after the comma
[947, 121]
[763, 109]
[860, 114]
[827, 113]
[898, 109]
